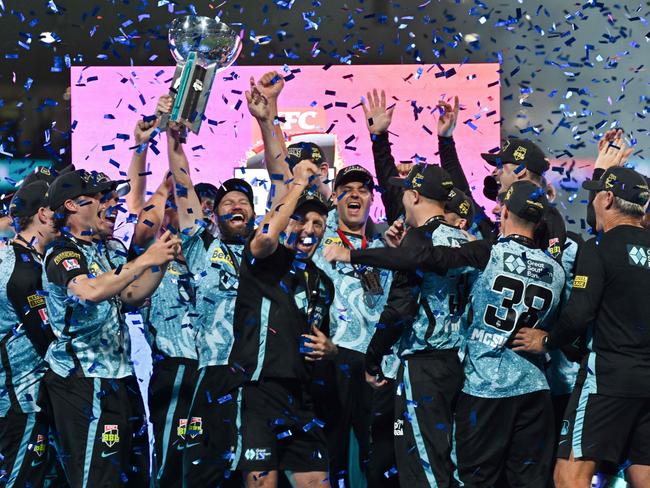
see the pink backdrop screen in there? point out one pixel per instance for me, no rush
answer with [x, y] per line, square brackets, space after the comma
[107, 102]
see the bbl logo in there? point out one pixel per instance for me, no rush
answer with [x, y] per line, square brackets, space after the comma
[39, 447]
[111, 435]
[196, 427]
[182, 428]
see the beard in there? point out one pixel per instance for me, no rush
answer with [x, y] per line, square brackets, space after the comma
[238, 233]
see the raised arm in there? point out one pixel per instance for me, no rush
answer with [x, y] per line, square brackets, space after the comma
[143, 133]
[378, 119]
[151, 216]
[262, 99]
[267, 235]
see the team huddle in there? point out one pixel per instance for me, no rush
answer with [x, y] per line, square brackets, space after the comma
[443, 347]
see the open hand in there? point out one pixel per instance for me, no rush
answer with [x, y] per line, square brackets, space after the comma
[164, 250]
[612, 150]
[378, 117]
[529, 340]
[333, 253]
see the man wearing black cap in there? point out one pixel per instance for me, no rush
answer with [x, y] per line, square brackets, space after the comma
[90, 366]
[608, 417]
[503, 418]
[429, 340]
[25, 335]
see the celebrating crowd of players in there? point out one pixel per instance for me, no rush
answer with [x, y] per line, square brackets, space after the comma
[455, 350]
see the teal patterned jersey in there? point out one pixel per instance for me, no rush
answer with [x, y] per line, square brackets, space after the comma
[353, 316]
[520, 286]
[561, 372]
[439, 323]
[24, 329]
[92, 339]
[215, 266]
[171, 316]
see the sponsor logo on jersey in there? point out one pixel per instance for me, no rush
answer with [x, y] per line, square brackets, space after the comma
[218, 256]
[332, 240]
[111, 435]
[257, 454]
[66, 255]
[70, 264]
[195, 427]
[565, 427]
[537, 270]
[398, 427]
[95, 269]
[638, 256]
[580, 281]
[39, 446]
[182, 428]
[35, 301]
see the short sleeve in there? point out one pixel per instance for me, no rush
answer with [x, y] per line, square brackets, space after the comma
[64, 264]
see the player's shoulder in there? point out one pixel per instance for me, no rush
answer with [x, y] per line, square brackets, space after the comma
[62, 249]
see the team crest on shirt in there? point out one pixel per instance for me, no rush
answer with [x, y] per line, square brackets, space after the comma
[195, 427]
[70, 264]
[182, 428]
[95, 269]
[39, 446]
[111, 435]
[554, 248]
[638, 256]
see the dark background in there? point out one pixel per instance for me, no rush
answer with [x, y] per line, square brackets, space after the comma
[570, 70]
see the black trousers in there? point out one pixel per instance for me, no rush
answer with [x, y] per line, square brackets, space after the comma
[428, 388]
[170, 392]
[382, 467]
[101, 430]
[505, 441]
[343, 400]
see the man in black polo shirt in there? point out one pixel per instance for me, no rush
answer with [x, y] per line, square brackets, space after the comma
[282, 308]
[608, 416]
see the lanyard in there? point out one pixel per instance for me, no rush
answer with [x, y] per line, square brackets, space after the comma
[348, 244]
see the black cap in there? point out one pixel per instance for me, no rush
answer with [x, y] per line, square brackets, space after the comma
[519, 151]
[525, 199]
[233, 184]
[460, 204]
[304, 150]
[354, 172]
[206, 189]
[75, 184]
[121, 187]
[28, 199]
[623, 182]
[43, 173]
[312, 199]
[430, 181]
[490, 188]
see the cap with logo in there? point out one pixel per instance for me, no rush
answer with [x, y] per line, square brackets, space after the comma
[356, 173]
[28, 199]
[234, 184]
[121, 187]
[623, 182]
[304, 150]
[460, 204]
[43, 173]
[429, 180]
[312, 200]
[520, 152]
[75, 184]
[526, 200]
[205, 189]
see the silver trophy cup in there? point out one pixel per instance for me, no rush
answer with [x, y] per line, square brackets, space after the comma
[202, 47]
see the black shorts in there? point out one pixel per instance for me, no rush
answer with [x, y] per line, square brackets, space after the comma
[26, 456]
[509, 438]
[211, 429]
[101, 429]
[605, 428]
[170, 392]
[279, 429]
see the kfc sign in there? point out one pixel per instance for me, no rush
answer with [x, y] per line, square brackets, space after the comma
[297, 121]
